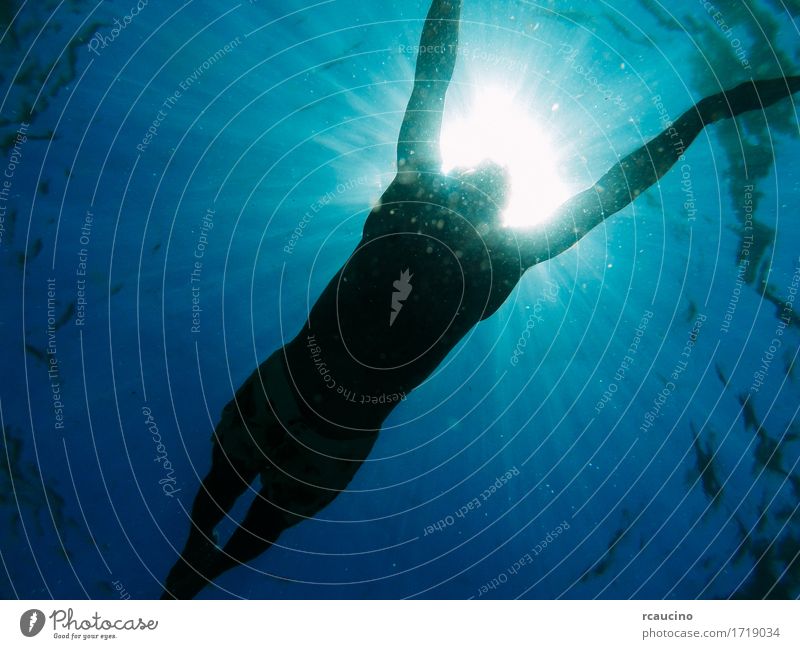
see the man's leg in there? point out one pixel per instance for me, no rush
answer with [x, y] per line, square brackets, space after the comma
[260, 528]
[306, 482]
[225, 482]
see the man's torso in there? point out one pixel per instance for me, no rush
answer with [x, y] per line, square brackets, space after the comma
[420, 278]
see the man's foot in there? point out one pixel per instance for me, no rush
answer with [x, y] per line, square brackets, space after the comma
[200, 563]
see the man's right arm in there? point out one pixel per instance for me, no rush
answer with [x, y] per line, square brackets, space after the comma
[638, 171]
[418, 144]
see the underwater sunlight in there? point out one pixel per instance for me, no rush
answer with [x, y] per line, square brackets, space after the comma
[498, 128]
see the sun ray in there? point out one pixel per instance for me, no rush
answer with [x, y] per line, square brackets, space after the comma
[496, 127]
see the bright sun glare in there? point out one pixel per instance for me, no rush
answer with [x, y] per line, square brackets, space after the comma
[496, 128]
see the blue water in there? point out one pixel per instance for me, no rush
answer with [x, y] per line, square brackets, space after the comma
[300, 115]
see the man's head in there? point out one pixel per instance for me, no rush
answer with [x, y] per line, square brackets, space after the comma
[489, 187]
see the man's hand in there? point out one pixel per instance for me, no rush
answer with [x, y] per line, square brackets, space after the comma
[750, 95]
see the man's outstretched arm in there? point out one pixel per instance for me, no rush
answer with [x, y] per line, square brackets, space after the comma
[643, 168]
[418, 144]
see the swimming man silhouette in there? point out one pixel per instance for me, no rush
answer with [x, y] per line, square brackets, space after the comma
[308, 416]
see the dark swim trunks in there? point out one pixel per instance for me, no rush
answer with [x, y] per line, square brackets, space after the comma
[263, 430]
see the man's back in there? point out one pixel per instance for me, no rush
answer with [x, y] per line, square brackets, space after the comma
[430, 265]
